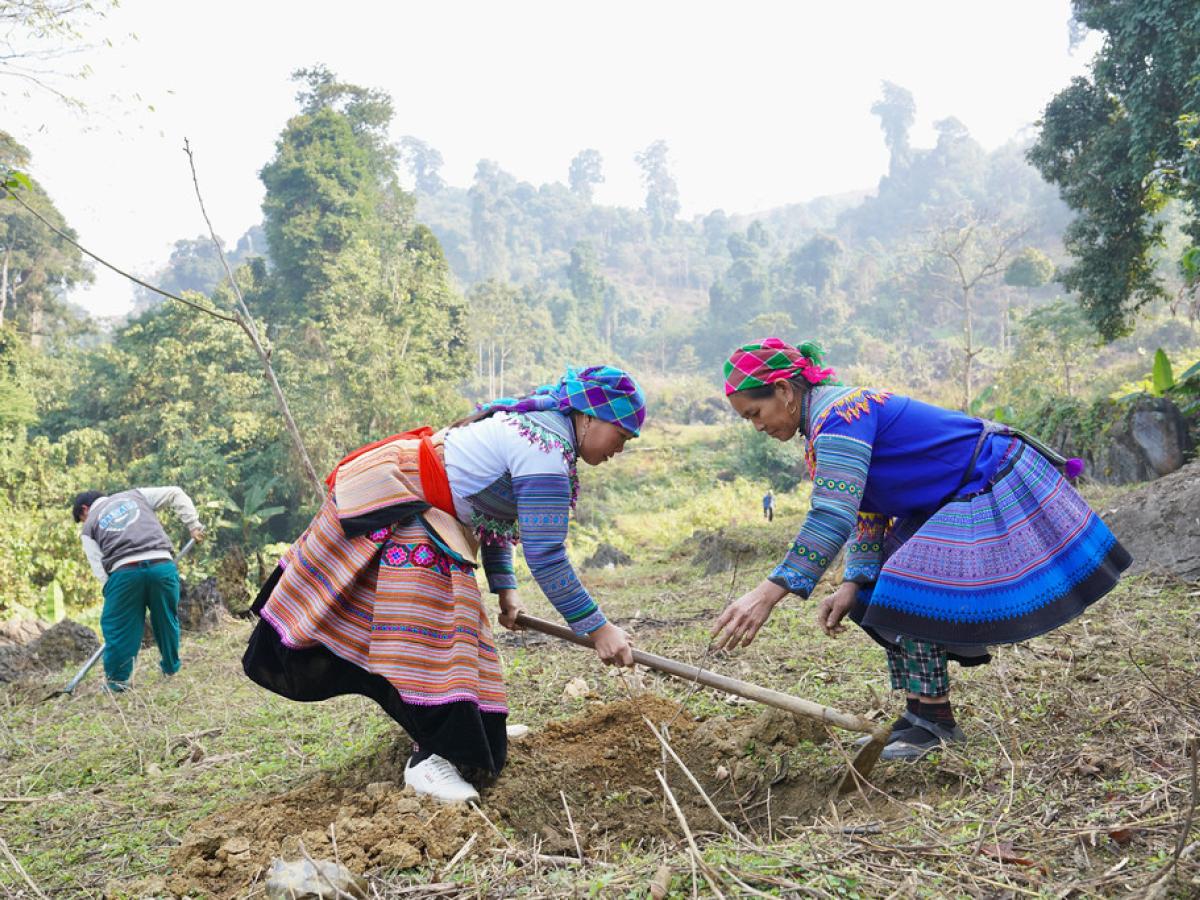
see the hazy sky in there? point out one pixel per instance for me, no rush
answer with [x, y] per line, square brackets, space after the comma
[761, 103]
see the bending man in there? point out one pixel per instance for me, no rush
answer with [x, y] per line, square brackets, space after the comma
[130, 554]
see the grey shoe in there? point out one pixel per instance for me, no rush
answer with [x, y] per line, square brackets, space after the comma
[924, 736]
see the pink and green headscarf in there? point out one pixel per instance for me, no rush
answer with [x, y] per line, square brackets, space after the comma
[605, 392]
[771, 360]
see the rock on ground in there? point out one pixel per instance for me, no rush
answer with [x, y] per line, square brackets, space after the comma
[1159, 524]
[20, 631]
[65, 643]
[606, 557]
[200, 606]
[719, 552]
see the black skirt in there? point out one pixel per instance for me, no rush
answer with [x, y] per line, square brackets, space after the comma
[458, 731]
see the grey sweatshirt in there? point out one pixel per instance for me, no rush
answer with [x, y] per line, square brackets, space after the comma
[123, 528]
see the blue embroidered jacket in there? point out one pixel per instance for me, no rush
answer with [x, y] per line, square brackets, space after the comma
[874, 458]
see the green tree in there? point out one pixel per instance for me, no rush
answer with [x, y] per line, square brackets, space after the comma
[744, 290]
[1031, 268]
[1050, 348]
[815, 262]
[897, 111]
[506, 330]
[369, 333]
[587, 171]
[17, 404]
[425, 163]
[490, 210]
[195, 266]
[181, 399]
[1119, 144]
[662, 194]
[36, 266]
[586, 281]
[322, 199]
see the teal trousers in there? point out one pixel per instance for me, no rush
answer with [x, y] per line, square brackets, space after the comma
[130, 591]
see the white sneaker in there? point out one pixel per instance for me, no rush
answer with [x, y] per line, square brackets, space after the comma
[440, 779]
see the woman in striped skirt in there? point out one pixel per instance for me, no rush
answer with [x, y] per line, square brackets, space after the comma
[961, 533]
[378, 597]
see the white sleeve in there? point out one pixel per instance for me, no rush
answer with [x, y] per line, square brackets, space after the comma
[523, 457]
[181, 503]
[95, 559]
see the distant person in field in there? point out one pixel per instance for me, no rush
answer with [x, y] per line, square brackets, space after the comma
[769, 506]
[379, 597]
[961, 533]
[130, 554]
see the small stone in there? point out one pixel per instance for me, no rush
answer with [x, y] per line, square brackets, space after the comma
[399, 855]
[377, 790]
[408, 806]
[576, 689]
[516, 732]
[660, 885]
[301, 880]
[235, 846]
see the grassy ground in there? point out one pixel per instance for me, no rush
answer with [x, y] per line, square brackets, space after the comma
[1076, 780]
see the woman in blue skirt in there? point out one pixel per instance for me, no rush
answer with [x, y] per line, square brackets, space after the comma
[962, 534]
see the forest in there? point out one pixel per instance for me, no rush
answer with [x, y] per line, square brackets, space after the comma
[1051, 283]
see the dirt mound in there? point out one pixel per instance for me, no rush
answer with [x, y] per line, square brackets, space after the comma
[65, 643]
[718, 551]
[607, 557]
[603, 761]
[201, 608]
[1159, 524]
[374, 822]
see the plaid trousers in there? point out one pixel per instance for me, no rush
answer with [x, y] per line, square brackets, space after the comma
[918, 667]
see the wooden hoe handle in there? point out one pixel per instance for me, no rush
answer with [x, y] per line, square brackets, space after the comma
[769, 697]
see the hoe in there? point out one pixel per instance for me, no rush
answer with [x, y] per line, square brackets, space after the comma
[69, 690]
[864, 760]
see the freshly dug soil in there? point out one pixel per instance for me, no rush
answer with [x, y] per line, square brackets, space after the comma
[603, 761]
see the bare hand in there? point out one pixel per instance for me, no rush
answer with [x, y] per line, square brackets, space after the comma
[834, 607]
[738, 625]
[612, 645]
[198, 533]
[510, 608]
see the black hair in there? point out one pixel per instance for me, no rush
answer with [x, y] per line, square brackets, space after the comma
[87, 498]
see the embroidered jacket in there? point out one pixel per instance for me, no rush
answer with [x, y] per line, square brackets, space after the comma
[513, 478]
[876, 458]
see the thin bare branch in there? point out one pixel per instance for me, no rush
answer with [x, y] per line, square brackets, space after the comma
[104, 262]
[246, 322]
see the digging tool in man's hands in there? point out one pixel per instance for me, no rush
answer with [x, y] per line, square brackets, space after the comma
[94, 658]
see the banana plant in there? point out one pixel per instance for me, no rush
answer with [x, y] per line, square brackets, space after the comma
[249, 517]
